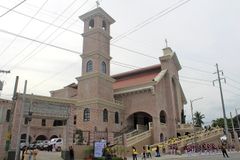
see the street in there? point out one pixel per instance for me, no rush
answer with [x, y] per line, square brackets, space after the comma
[43, 155]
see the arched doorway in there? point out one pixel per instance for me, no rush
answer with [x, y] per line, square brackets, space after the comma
[53, 136]
[41, 137]
[141, 119]
[178, 135]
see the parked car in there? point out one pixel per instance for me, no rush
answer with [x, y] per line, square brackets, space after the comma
[22, 144]
[56, 143]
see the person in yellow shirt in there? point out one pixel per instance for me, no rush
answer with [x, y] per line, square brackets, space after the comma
[134, 153]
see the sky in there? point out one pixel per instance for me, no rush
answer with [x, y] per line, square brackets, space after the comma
[201, 32]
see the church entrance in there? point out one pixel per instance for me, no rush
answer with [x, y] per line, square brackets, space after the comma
[139, 120]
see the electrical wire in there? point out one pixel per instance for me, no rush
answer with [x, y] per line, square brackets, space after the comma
[34, 40]
[23, 29]
[9, 10]
[152, 19]
[26, 58]
[45, 22]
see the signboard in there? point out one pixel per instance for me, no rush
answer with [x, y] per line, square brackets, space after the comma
[98, 148]
[47, 109]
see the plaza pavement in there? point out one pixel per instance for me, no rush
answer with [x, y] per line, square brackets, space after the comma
[232, 156]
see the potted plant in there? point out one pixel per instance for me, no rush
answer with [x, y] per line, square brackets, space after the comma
[88, 153]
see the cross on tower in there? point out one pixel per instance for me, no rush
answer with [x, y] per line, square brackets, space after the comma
[98, 3]
[166, 43]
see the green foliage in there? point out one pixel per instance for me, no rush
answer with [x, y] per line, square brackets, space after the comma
[117, 158]
[79, 137]
[220, 122]
[198, 119]
[88, 151]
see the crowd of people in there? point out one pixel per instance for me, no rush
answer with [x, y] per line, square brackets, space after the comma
[29, 154]
[207, 148]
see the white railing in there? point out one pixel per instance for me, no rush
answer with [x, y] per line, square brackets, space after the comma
[139, 137]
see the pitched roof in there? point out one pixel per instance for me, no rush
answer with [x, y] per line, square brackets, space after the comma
[136, 77]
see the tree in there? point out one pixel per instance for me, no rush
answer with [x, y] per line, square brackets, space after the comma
[198, 119]
[220, 122]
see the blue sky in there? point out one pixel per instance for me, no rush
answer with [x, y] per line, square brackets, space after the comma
[201, 32]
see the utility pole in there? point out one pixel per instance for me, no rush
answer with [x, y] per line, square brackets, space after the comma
[223, 106]
[29, 119]
[20, 121]
[236, 140]
[237, 118]
[8, 140]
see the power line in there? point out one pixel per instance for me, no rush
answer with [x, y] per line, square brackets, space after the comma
[54, 75]
[25, 26]
[22, 51]
[12, 8]
[26, 58]
[42, 21]
[152, 19]
[23, 37]
[232, 80]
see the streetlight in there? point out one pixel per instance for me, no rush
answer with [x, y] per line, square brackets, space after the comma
[237, 119]
[191, 102]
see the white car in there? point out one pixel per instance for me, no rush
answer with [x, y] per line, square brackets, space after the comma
[56, 143]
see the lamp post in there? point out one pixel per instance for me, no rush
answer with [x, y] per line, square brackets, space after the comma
[237, 119]
[191, 102]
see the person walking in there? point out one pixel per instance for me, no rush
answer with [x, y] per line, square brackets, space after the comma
[224, 151]
[149, 155]
[134, 153]
[144, 153]
[158, 151]
[34, 153]
[71, 153]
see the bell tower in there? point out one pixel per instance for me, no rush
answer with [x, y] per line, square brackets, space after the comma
[95, 81]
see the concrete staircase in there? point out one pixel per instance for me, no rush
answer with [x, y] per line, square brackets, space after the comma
[141, 133]
[211, 136]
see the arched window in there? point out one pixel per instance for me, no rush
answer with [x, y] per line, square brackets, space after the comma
[104, 26]
[161, 137]
[86, 114]
[8, 115]
[162, 117]
[103, 67]
[116, 117]
[89, 66]
[105, 115]
[91, 24]
[75, 119]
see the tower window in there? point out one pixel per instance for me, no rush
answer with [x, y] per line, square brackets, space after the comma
[75, 120]
[104, 26]
[86, 114]
[162, 116]
[91, 24]
[89, 66]
[116, 117]
[8, 115]
[105, 115]
[104, 67]
[43, 122]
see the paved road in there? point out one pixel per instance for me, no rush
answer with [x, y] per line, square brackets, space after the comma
[43, 155]
[233, 156]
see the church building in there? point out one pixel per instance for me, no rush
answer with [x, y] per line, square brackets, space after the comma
[100, 105]
[120, 103]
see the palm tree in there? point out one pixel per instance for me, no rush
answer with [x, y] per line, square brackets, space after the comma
[198, 119]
